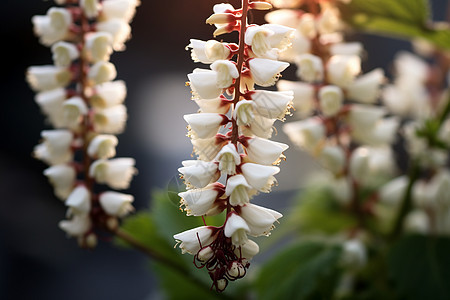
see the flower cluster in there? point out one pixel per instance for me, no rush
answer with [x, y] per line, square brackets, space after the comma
[342, 125]
[230, 135]
[84, 106]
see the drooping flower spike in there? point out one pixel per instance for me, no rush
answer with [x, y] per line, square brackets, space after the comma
[230, 135]
[85, 106]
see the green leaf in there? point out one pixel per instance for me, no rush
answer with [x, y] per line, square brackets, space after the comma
[307, 270]
[399, 18]
[420, 267]
[317, 211]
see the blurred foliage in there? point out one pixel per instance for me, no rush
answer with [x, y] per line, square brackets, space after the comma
[400, 18]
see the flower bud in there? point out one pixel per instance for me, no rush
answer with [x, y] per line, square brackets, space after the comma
[64, 53]
[330, 100]
[310, 68]
[102, 72]
[119, 30]
[74, 109]
[205, 254]
[79, 200]
[103, 146]
[111, 119]
[90, 7]
[236, 228]
[332, 158]
[44, 78]
[342, 69]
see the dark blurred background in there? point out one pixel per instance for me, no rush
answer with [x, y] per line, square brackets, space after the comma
[37, 261]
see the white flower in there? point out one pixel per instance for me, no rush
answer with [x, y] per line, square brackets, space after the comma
[119, 9]
[52, 27]
[74, 109]
[116, 204]
[407, 98]
[64, 53]
[282, 36]
[103, 146]
[330, 100]
[205, 125]
[98, 46]
[359, 163]
[236, 228]
[247, 250]
[307, 134]
[111, 119]
[199, 202]
[265, 72]
[366, 88]
[332, 158]
[79, 201]
[272, 105]
[259, 126]
[191, 240]
[243, 112]
[304, 95]
[342, 69]
[417, 221]
[116, 173]
[209, 51]
[109, 94]
[299, 45]
[354, 254]
[352, 48]
[310, 68]
[329, 20]
[408, 65]
[285, 17]
[199, 173]
[44, 78]
[238, 190]
[370, 166]
[383, 132]
[260, 177]
[77, 226]
[258, 38]
[228, 159]
[119, 30]
[226, 71]
[263, 151]
[51, 104]
[101, 72]
[365, 117]
[207, 149]
[307, 25]
[204, 84]
[55, 149]
[218, 105]
[394, 191]
[259, 219]
[90, 7]
[62, 177]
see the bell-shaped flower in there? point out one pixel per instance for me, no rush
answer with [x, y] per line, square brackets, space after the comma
[205, 125]
[228, 159]
[263, 151]
[236, 228]
[265, 72]
[103, 146]
[62, 177]
[366, 88]
[90, 8]
[116, 204]
[51, 105]
[407, 98]
[116, 173]
[217, 105]
[352, 48]
[101, 72]
[282, 36]
[197, 173]
[354, 254]
[74, 109]
[260, 177]
[285, 17]
[307, 25]
[299, 45]
[204, 84]
[77, 226]
[259, 219]
[238, 190]
[79, 201]
[111, 119]
[98, 46]
[417, 221]
[119, 30]
[408, 65]
[64, 53]
[342, 69]
[198, 202]
[56, 147]
[332, 158]
[247, 250]
[226, 72]
[304, 95]
[365, 117]
[329, 20]
[209, 51]
[258, 38]
[272, 105]
[310, 68]
[330, 99]
[207, 149]
[48, 77]
[394, 191]
[191, 241]
[109, 94]
[259, 126]
[382, 133]
[119, 9]
[307, 134]
[439, 189]
[370, 165]
[52, 27]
